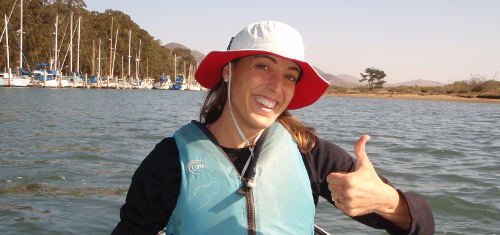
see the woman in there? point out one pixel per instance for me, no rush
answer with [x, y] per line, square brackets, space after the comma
[249, 167]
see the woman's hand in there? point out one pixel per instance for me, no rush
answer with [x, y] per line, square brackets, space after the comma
[362, 191]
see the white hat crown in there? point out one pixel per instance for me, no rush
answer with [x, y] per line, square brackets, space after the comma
[271, 36]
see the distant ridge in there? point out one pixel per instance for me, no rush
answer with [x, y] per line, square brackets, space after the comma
[350, 78]
[341, 80]
[196, 54]
[173, 45]
[418, 82]
[337, 80]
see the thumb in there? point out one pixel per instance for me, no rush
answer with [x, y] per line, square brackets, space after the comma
[362, 158]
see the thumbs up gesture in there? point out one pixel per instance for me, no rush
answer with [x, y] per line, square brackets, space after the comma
[362, 191]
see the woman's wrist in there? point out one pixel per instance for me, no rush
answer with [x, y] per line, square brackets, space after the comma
[394, 208]
[389, 202]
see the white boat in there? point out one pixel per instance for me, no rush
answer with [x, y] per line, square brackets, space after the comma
[164, 83]
[54, 83]
[144, 85]
[64, 82]
[76, 81]
[194, 86]
[20, 81]
[3, 77]
[180, 83]
[108, 82]
[57, 83]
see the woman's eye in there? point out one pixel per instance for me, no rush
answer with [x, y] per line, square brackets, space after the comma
[262, 66]
[291, 78]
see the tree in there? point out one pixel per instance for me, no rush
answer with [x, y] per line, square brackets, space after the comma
[374, 77]
[38, 38]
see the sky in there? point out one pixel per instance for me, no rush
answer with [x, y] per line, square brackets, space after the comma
[438, 40]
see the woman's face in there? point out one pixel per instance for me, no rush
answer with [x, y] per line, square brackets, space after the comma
[262, 86]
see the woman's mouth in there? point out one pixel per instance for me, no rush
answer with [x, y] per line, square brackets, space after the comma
[266, 102]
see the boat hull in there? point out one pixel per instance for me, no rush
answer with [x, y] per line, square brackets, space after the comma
[179, 87]
[19, 82]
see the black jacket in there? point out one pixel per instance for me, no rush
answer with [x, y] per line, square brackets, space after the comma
[155, 186]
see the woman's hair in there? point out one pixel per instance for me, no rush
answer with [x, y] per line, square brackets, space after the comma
[214, 103]
[305, 136]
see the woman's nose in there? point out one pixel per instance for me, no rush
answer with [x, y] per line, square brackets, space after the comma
[274, 82]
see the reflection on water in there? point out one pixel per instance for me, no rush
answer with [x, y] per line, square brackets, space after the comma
[48, 191]
[67, 155]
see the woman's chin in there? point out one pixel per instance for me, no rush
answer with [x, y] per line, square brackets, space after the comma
[263, 122]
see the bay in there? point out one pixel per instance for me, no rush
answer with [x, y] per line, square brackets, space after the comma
[67, 155]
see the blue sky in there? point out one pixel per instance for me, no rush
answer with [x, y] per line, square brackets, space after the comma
[440, 40]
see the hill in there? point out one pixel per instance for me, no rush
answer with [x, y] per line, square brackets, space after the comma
[198, 56]
[38, 45]
[418, 82]
[336, 80]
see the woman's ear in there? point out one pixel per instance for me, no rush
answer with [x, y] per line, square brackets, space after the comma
[225, 72]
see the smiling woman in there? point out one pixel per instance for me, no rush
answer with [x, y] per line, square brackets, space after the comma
[249, 166]
[262, 86]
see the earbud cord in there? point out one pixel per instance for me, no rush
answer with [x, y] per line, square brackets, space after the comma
[240, 132]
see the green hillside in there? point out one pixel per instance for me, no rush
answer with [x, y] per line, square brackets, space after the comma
[39, 39]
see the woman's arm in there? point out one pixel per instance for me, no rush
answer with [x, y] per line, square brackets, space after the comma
[153, 193]
[404, 213]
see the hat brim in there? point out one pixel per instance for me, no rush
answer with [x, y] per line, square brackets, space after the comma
[307, 91]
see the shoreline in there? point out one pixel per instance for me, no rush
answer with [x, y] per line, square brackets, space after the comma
[418, 97]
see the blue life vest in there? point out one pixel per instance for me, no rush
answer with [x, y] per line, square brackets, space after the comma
[208, 202]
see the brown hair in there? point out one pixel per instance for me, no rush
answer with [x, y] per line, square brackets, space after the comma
[305, 136]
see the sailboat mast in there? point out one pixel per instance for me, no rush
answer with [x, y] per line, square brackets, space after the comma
[99, 61]
[55, 49]
[21, 38]
[93, 58]
[71, 44]
[114, 54]
[7, 45]
[138, 60]
[8, 19]
[78, 47]
[129, 45]
[111, 49]
[175, 66]
[121, 74]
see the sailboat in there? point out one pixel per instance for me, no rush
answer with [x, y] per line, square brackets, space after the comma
[164, 83]
[7, 74]
[21, 79]
[192, 84]
[180, 82]
[53, 80]
[2, 79]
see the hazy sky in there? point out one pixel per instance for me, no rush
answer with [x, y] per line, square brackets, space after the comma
[433, 40]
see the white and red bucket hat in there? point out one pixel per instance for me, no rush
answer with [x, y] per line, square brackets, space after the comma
[266, 37]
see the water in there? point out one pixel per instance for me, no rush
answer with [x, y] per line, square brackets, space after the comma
[67, 155]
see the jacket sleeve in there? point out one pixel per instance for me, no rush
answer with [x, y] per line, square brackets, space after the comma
[327, 157]
[153, 193]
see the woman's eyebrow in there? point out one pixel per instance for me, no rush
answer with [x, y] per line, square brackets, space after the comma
[268, 57]
[296, 68]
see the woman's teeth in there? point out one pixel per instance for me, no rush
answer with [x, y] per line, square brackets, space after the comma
[268, 103]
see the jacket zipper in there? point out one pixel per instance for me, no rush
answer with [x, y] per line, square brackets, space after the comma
[248, 193]
[250, 212]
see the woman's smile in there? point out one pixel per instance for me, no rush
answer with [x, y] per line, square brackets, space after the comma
[267, 103]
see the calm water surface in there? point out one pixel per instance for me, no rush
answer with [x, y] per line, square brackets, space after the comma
[67, 155]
